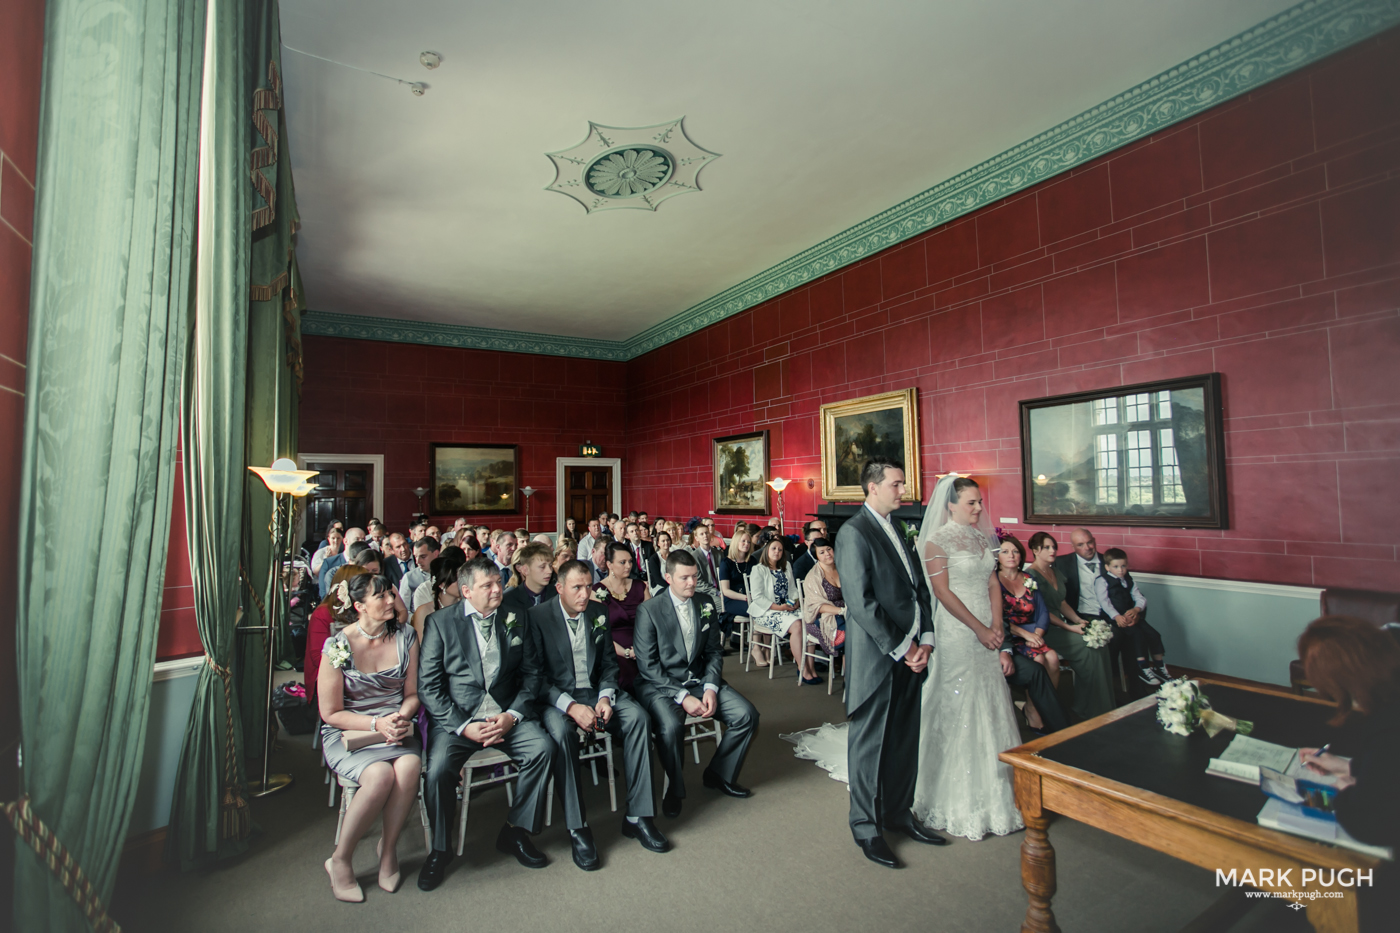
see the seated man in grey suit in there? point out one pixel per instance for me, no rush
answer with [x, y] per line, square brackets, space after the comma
[579, 691]
[678, 675]
[707, 560]
[477, 677]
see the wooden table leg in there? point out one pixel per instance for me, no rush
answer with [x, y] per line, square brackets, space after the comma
[1037, 857]
[1333, 915]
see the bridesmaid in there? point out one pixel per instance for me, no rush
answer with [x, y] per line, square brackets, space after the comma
[369, 684]
[1093, 684]
[620, 596]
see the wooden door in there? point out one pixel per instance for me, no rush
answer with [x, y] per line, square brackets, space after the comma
[589, 489]
[342, 492]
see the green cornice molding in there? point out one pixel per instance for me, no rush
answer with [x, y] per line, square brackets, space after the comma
[362, 327]
[1293, 39]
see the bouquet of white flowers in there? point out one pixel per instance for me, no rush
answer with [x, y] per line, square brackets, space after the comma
[1179, 705]
[1098, 633]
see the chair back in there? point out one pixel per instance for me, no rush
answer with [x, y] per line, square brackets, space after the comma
[1373, 606]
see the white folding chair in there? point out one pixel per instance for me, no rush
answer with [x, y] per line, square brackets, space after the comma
[698, 729]
[812, 647]
[597, 746]
[741, 628]
[351, 787]
[484, 759]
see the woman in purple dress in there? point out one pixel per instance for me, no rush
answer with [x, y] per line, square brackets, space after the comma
[620, 596]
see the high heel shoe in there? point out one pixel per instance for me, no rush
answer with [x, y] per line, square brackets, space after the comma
[759, 659]
[351, 895]
[391, 883]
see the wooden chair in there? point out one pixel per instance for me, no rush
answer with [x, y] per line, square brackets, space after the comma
[486, 759]
[698, 729]
[1374, 606]
[811, 646]
[351, 787]
[596, 746]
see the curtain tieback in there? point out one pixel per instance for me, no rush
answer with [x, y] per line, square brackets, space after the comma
[36, 833]
[236, 819]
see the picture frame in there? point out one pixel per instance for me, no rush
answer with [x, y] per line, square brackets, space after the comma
[1150, 454]
[873, 426]
[473, 479]
[741, 474]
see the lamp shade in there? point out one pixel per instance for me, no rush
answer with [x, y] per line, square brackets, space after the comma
[529, 491]
[778, 483]
[283, 476]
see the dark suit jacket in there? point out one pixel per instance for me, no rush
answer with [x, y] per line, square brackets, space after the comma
[519, 600]
[639, 567]
[555, 651]
[803, 565]
[1068, 566]
[450, 678]
[392, 571]
[656, 570]
[663, 666]
[880, 601]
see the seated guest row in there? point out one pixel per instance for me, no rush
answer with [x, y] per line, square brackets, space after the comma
[525, 675]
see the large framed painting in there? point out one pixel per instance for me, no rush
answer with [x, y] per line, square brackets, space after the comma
[474, 479]
[876, 427]
[741, 474]
[1149, 454]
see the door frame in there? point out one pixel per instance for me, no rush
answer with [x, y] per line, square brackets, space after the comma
[377, 493]
[560, 493]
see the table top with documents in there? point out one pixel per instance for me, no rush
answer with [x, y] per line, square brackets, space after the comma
[1137, 751]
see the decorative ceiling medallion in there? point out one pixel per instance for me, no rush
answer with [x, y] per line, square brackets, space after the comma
[617, 167]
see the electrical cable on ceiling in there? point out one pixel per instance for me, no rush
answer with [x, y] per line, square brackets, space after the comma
[417, 87]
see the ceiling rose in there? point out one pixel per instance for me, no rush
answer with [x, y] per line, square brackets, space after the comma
[618, 167]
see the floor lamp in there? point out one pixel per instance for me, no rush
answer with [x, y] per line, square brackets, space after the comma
[779, 484]
[529, 492]
[287, 484]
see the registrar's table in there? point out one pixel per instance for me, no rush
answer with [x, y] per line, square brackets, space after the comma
[1123, 773]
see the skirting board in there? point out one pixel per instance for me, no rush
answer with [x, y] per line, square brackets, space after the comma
[143, 854]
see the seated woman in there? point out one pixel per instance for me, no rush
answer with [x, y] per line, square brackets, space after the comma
[1025, 616]
[446, 591]
[335, 540]
[773, 604]
[470, 547]
[1357, 666]
[1093, 684]
[620, 596]
[734, 571]
[823, 609]
[369, 685]
[324, 622]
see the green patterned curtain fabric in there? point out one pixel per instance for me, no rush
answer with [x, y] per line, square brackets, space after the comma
[209, 816]
[114, 233]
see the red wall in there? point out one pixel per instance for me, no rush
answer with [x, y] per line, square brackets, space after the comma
[1260, 240]
[394, 399]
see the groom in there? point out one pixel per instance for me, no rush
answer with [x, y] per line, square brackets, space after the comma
[889, 637]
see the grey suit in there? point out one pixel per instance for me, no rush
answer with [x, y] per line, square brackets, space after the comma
[664, 670]
[550, 630]
[882, 694]
[452, 686]
[707, 584]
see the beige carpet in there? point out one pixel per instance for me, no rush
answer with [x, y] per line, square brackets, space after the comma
[781, 860]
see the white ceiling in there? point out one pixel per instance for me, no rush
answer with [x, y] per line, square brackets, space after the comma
[825, 112]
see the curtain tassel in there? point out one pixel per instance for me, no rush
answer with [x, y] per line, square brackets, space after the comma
[37, 835]
[235, 817]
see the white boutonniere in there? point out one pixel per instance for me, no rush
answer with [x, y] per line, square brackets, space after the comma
[512, 626]
[1031, 585]
[707, 611]
[338, 653]
[600, 626]
[601, 593]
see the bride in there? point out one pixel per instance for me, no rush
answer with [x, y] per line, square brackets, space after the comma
[967, 717]
[967, 713]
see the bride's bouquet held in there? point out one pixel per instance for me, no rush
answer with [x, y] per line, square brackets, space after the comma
[1097, 633]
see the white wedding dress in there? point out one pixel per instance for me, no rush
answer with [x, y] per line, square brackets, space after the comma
[967, 717]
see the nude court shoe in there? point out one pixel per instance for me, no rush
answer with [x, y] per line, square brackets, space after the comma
[350, 895]
[391, 882]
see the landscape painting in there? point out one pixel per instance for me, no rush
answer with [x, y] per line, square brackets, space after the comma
[477, 479]
[741, 474]
[1150, 454]
[875, 427]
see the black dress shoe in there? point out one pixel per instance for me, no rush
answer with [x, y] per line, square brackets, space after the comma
[917, 831]
[585, 852]
[434, 867]
[724, 787]
[645, 832]
[671, 806]
[878, 851]
[515, 841]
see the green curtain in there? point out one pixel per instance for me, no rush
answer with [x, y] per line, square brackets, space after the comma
[114, 228]
[209, 816]
[273, 332]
